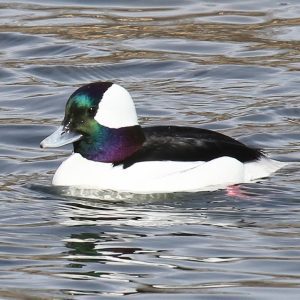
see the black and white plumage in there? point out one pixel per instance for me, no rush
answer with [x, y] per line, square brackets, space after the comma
[112, 151]
[178, 143]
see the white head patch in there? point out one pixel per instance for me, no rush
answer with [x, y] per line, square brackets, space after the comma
[116, 108]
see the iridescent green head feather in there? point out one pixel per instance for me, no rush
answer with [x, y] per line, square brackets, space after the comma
[101, 122]
[82, 107]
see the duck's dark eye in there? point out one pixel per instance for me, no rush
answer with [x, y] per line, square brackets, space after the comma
[92, 111]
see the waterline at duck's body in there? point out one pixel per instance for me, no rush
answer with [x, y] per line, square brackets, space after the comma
[112, 151]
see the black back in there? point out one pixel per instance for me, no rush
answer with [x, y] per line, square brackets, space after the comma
[189, 144]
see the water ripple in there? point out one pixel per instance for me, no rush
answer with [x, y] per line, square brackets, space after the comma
[231, 66]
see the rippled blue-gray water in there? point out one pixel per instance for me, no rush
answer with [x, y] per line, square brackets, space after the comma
[231, 66]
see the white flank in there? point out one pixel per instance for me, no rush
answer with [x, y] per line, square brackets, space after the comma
[116, 109]
[262, 168]
[161, 176]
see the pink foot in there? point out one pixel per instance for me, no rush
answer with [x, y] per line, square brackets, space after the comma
[235, 191]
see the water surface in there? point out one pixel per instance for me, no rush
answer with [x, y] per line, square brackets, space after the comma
[231, 66]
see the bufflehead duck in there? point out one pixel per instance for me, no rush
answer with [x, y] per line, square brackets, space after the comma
[112, 151]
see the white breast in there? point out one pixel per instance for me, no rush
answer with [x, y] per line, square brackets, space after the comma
[161, 176]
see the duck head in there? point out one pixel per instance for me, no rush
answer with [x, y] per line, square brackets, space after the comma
[101, 122]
